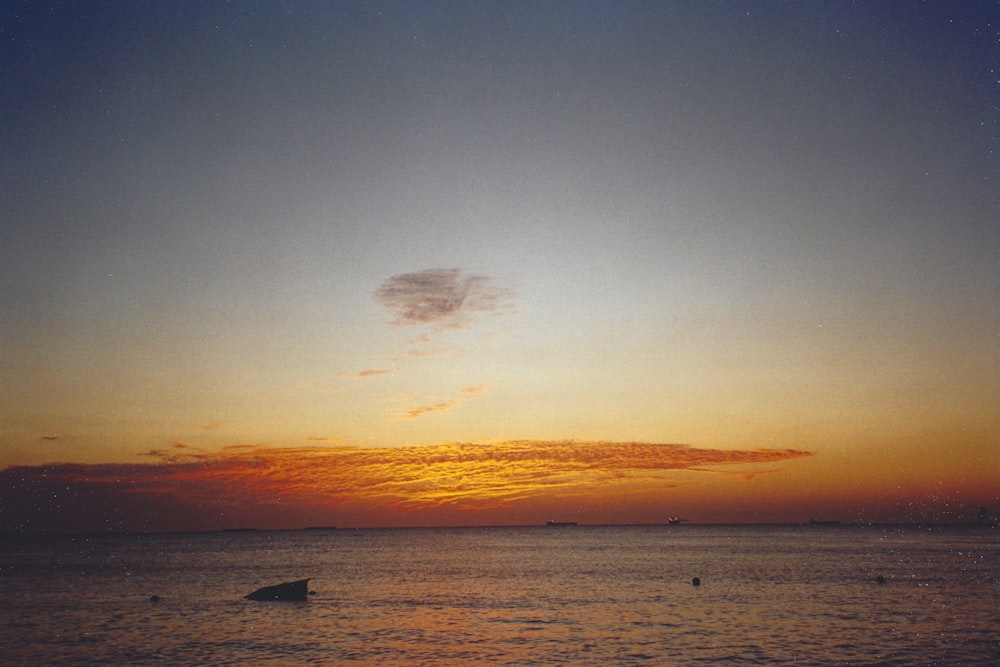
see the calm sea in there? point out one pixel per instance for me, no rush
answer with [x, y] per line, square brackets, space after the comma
[804, 595]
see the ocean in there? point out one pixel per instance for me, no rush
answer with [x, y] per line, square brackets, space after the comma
[575, 595]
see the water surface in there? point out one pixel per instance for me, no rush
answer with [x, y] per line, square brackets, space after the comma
[515, 596]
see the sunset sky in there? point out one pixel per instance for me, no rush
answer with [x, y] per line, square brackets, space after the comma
[375, 264]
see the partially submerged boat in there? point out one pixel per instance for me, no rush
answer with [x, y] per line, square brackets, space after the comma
[290, 590]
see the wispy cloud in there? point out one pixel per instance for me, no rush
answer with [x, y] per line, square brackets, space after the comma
[442, 298]
[178, 452]
[212, 426]
[190, 488]
[416, 411]
[370, 373]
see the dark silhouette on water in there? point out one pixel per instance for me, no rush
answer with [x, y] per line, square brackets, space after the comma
[986, 519]
[824, 522]
[696, 582]
[290, 590]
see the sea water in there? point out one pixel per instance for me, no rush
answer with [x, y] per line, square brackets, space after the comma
[802, 595]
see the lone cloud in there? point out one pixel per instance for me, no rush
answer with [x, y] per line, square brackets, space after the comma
[442, 298]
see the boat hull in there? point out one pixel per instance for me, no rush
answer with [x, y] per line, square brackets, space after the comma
[290, 590]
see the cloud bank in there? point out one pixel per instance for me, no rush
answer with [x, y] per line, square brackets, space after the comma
[277, 487]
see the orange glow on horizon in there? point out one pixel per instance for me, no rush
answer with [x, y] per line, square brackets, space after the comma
[468, 476]
[386, 484]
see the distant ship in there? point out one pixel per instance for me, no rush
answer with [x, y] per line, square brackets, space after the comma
[985, 519]
[818, 522]
[558, 524]
[674, 521]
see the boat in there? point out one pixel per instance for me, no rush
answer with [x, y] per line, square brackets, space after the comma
[674, 521]
[559, 524]
[820, 522]
[290, 590]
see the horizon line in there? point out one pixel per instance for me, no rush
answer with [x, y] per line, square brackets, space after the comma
[687, 524]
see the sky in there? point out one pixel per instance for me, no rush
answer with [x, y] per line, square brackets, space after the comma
[286, 264]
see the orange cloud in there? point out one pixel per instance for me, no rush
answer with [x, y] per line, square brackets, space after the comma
[177, 453]
[413, 412]
[243, 485]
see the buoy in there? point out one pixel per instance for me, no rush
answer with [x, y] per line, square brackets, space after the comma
[880, 580]
[696, 582]
[154, 598]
